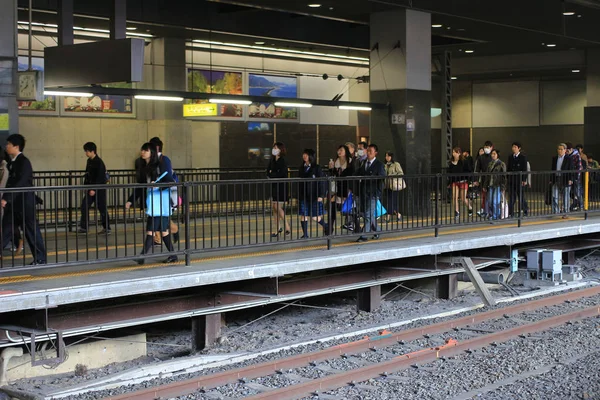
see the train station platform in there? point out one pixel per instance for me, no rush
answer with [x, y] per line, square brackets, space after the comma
[262, 272]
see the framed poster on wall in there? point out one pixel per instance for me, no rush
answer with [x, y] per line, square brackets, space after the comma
[44, 107]
[99, 105]
[216, 82]
[272, 86]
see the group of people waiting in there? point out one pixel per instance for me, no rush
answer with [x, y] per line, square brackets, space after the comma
[500, 191]
[363, 197]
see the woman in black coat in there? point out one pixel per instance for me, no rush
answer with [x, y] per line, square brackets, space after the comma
[278, 169]
[311, 194]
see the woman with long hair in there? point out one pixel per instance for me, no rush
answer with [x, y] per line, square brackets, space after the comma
[495, 184]
[311, 194]
[393, 185]
[457, 171]
[278, 169]
[340, 168]
[159, 209]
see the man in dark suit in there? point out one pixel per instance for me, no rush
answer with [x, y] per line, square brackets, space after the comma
[561, 181]
[517, 163]
[20, 206]
[370, 190]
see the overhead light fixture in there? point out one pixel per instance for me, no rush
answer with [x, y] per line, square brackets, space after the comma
[259, 42]
[314, 5]
[62, 93]
[569, 13]
[551, 45]
[436, 25]
[140, 34]
[357, 108]
[229, 101]
[131, 28]
[454, 78]
[575, 70]
[469, 51]
[292, 104]
[163, 98]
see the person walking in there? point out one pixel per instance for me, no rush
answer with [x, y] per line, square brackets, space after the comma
[394, 185]
[278, 169]
[311, 194]
[95, 174]
[158, 207]
[19, 207]
[370, 191]
[458, 171]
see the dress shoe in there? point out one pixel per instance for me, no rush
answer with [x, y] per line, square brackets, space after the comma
[362, 239]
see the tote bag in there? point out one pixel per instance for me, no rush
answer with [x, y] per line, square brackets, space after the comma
[379, 209]
[348, 206]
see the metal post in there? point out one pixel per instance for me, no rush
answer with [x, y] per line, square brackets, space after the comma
[438, 196]
[446, 108]
[188, 248]
[520, 183]
[586, 187]
[331, 209]
[70, 202]
[368, 299]
[30, 37]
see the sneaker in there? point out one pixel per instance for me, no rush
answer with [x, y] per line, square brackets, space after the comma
[470, 213]
[105, 232]
[171, 259]
[349, 227]
[375, 237]
[456, 214]
[481, 213]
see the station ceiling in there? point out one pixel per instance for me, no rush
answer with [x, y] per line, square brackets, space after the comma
[485, 28]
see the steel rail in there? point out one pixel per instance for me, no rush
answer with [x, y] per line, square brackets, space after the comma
[421, 357]
[385, 339]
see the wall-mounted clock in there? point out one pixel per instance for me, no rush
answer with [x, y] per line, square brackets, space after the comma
[28, 85]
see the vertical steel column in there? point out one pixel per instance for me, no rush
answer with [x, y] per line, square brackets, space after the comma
[446, 108]
[118, 19]
[206, 329]
[65, 22]
[447, 286]
[368, 299]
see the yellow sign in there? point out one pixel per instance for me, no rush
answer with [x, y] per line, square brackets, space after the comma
[200, 110]
[3, 122]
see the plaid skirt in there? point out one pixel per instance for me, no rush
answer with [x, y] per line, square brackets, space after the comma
[311, 208]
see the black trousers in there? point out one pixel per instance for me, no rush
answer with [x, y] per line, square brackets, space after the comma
[516, 191]
[25, 218]
[100, 199]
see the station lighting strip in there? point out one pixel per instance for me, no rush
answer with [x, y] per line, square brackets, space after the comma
[54, 29]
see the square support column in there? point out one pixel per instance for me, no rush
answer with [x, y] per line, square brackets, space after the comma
[447, 286]
[206, 329]
[368, 299]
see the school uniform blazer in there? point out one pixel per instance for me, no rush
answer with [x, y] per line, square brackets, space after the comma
[517, 164]
[20, 175]
[372, 188]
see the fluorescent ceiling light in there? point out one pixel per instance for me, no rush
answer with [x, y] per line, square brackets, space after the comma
[140, 34]
[569, 13]
[61, 93]
[285, 104]
[551, 45]
[436, 25]
[259, 42]
[469, 51]
[575, 70]
[436, 112]
[314, 5]
[163, 98]
[229, 101]
[131, 28]
[357, 108]
[454, 78]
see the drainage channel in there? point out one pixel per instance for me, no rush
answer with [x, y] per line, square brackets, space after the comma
[388, 351]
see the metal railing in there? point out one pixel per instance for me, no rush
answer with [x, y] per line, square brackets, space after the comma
[204, 216]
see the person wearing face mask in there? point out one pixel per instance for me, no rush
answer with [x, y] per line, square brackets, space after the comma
[481, 166]
[278, 169]
[494, 184]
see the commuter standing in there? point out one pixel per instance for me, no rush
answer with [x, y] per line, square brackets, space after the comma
[495, 185]
[158, 206]
[561, 181]
[278, 169]
[174, 195]
[20, 207]
[340, 168]
[517, 182]
[481, 166]
[577, 188]
[95, 174]
[457, 174]
[393, 185]
[370, 191]
[311, 194]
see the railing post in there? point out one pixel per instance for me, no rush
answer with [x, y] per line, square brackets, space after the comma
[188, 248]
[521, 202]
[70, 201]
[438, 195]
[330, 226]
[586, 188]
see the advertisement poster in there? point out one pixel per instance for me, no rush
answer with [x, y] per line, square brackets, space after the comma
[216, 82]
[48, 105]
[100, 104]
[272, 86]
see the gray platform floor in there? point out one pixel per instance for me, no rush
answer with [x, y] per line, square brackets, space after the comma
[21, 290]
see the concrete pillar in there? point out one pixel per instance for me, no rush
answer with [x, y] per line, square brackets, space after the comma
[9, 117]
[401, 76]
[368, 299]
[65, 23]
[5, 357]
[447, 286]
[591, 117]
[206, 329]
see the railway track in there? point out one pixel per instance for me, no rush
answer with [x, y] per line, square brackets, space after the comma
[381, 355]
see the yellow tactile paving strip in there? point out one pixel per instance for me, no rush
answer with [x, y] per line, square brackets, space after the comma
[31, 278]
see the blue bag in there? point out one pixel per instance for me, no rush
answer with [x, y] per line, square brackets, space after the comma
[348, 206]
[379, 209]
[158, 201]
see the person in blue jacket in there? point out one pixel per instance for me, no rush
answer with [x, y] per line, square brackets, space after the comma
[158, 205]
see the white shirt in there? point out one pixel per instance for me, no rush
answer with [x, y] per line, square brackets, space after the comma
[15, 157]
[559, 162]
